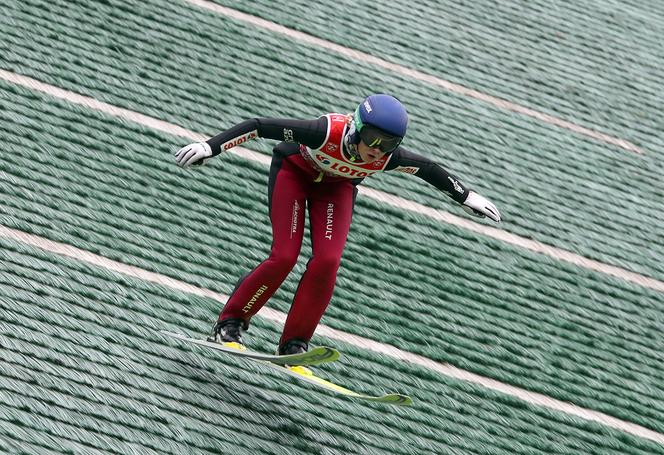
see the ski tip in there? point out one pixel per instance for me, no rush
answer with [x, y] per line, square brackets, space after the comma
[323, 354]
[397, 399]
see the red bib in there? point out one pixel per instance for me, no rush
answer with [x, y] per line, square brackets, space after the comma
[329, 158]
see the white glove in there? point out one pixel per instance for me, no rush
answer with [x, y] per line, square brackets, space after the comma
[478, 205]
[193, 154]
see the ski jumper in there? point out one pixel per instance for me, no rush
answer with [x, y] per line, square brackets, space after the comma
[311, 169]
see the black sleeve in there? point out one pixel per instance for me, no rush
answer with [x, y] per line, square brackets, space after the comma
[311, 133]
[411, 163]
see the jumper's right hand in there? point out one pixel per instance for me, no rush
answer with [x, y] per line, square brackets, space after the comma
[194, 154]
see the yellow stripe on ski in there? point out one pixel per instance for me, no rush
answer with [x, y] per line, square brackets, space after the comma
[234, 345]
[306, 372]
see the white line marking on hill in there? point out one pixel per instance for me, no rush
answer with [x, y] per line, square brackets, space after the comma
[507, 237]
[360, 342]
[414, 74]
[395, 201]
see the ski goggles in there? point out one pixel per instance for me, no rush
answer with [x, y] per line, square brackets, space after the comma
[376, 138]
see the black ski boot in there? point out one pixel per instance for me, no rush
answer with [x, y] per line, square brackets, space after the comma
[293, 346]
[228, 332]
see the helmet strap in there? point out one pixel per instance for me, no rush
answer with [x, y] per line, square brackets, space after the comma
[351, 148]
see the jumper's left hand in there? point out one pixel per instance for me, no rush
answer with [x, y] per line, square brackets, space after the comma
[478, 205]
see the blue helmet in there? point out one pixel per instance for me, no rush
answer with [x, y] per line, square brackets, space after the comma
[379, 121]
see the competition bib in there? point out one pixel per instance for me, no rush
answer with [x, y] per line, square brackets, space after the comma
[330, 159]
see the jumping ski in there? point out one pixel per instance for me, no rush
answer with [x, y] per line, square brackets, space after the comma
[307, 375]
[315, 356]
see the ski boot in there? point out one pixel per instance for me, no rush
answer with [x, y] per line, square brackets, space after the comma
[293, 346]
[229, 333]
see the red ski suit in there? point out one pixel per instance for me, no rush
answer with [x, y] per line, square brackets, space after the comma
[323, 181]
[311, 169]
